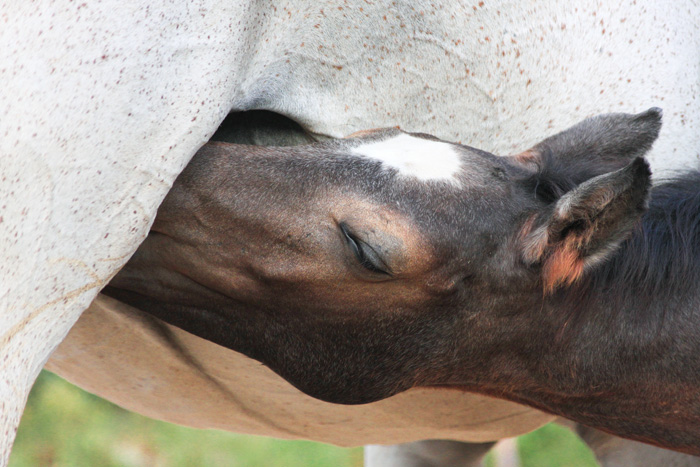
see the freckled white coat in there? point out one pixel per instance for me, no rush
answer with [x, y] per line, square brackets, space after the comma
[102, 104]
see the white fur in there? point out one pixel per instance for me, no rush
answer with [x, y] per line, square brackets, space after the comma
[102, 106]
[421, 158]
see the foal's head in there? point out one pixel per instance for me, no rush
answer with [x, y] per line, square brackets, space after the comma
[358, 268]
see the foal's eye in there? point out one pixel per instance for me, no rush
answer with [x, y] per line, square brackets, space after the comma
[365, 254]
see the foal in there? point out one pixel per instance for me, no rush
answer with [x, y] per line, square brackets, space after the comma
[360, 268]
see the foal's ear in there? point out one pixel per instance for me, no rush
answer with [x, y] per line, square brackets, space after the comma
[586, 224]
[603, 143]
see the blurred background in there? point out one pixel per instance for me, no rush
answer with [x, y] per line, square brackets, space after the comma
[65, 426]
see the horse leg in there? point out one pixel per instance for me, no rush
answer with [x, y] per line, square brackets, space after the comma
[612, 451]
[429, 453]
[609, 450]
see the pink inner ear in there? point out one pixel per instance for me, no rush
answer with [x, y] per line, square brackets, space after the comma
[563, 267]
[528, 157]
[562, 262]
[533, 243]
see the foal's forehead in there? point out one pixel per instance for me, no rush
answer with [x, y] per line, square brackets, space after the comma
[416, 157]
[420, 157]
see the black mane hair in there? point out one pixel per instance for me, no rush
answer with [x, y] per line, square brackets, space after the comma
[660, 261]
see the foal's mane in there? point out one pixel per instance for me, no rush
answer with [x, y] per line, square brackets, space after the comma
[659, 261]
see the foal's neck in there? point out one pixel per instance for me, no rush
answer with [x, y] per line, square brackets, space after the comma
[627, 356]
[653, 280]
[635, 318]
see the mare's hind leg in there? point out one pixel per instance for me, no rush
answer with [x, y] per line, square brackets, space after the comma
[612, 451]
[430, 453]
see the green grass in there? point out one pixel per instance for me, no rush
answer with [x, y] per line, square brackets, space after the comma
[537, 449]
[64, 426]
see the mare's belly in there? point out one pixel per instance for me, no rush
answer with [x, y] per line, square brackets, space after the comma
[152, 368]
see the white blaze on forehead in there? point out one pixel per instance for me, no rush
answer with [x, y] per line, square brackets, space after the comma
[415, 157]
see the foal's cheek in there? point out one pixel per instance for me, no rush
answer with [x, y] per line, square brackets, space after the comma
[353, 298]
